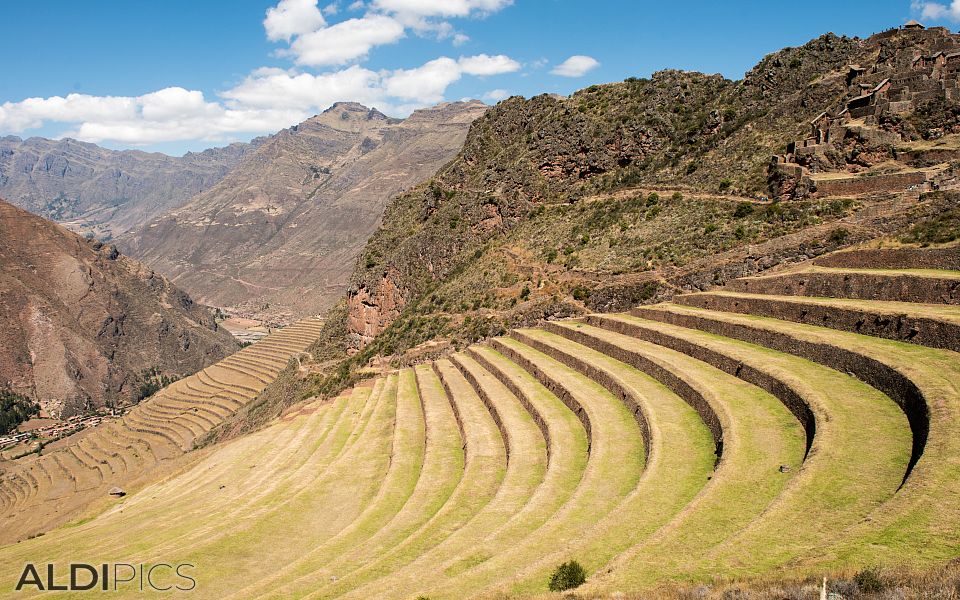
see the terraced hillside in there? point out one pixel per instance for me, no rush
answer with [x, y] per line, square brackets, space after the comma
[45, 490]
[795, 423]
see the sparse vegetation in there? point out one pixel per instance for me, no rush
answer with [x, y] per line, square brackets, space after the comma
[940, 229]
[153, 380]
[15, 409]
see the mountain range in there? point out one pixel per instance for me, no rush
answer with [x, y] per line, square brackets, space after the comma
[102, 192]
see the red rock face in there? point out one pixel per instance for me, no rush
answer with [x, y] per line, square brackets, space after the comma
[369, 314]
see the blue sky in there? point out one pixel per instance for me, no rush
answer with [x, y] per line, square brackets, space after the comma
[182, 75]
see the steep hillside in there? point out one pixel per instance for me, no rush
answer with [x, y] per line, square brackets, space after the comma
[81, 324]
[280, 234]
[105, 192]
[618, 195]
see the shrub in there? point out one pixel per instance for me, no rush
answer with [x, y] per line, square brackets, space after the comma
[525, 292]
[838, 235]
[551, 255]
[676, 197]
[868, 581]
[581, 293]
[567, 576]
[653, 198]
[940, 229]
[710, 228]
[740, 232]
[744, 209]
[725, 185]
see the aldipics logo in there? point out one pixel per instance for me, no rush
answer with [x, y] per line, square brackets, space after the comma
[107, 577]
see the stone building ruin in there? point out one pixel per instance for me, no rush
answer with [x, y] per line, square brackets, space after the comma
[890, 89]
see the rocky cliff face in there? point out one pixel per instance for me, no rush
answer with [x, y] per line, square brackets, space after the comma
[81, 323]
[281, 233]
[105, 192]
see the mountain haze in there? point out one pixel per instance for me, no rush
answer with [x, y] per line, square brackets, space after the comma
[105, 192]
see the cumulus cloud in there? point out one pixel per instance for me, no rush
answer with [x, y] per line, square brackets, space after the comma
[936, 11]
[269, 99]
[429, 83]
[496, 95]
[346, 41]
[165, 115]
[277, 88]
[576, 66]
[292, 17]
[483, 64]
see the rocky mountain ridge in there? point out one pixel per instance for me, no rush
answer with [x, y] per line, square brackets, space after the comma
[280, 234]
[103, 192]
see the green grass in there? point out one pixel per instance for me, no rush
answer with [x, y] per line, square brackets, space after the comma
[920, 524]
[681, 459]
[484, 473]
[855, 464]
[760, 434]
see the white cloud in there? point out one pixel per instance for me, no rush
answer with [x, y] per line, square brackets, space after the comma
[936, 11]
[496, 95]
[483, 64]
[440, 8]
[426, 83]
[576, 66]
[346, 41]
[429, 82]
[165, 115]
[292, 17]
[276, 88]
[269, 99]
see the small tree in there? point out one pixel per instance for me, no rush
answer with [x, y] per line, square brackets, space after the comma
[567, 576]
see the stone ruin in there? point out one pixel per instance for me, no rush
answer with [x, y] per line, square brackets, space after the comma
[893, 87]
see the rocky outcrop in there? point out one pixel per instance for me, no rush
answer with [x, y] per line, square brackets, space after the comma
[81, 323]
[281, 233]
[105, 192]
[369, 315]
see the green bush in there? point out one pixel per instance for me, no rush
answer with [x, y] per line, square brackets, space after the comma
[525, 292]
[868, 581]
[725, 185]
[567, 576]
[744, 209]
[839, 235]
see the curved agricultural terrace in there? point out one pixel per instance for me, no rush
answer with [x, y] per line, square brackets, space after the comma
[148, 442]
[785, 424]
